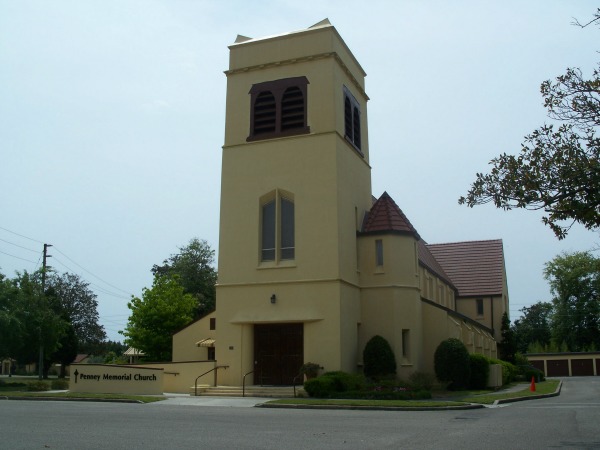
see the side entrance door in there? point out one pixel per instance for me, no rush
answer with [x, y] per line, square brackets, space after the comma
[278, 353]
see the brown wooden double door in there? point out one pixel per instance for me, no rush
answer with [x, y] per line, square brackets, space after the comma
[278, 353]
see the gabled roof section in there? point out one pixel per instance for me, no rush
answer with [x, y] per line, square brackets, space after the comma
[476, 268]
[427, 259]
[385, 217]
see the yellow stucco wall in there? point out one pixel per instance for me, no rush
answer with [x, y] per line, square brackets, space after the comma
[108, 379]
[184, 341]
[332, 286]
[180, 377]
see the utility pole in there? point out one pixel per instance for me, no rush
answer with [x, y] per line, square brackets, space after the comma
[44, 268]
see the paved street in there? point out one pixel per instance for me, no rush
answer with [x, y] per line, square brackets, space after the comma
[568, 421]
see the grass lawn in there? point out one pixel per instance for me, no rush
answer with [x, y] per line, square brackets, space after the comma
[448, 398]
[18, 387]
[351, 402]
[544, 387]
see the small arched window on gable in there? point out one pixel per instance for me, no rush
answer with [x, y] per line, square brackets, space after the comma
[278, 108]
[352, 120]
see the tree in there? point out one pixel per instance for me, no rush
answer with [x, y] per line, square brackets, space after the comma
[193, 266]
[533, 327]
[452, 364]
[508, 345]
[379, 358]
[575, 285]
[41, 326]
[558, 168]
[10, 326]
[163, 309]
[79, 307]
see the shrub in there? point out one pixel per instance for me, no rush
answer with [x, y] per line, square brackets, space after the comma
[379, 358]
[60, 384]
[38, 386]
[331, 384]
[451, 361]
[421, 381]
[509, 371]
[531, 372]
[480, 371]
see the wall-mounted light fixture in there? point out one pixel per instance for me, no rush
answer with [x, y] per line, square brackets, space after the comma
[273, 299]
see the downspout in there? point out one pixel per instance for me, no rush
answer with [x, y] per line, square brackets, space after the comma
[492, 311]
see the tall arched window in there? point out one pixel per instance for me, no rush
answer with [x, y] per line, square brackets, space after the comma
[277, 227]
[352, 120]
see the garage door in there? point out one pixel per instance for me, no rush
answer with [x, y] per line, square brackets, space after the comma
[582, 367]
[558, 368]
[539, 365]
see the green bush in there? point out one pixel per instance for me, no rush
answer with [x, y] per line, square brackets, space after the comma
[480, 371]
[510, 372]
[451, 362]
[386, 395]
[36, 386]
[421, 381]
[60, 384]
[378, 358]
[330, 384]
[531, 372]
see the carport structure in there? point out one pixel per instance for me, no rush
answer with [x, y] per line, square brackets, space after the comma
[580, 364]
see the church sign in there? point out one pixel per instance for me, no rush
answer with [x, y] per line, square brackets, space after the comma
[113, 379]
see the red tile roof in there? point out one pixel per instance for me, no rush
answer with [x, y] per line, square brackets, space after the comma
[428, 260]
[476, 268]
[386, 216]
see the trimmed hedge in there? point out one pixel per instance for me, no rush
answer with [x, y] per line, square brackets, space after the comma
[36, 386]
[378, 358]
[509, 371]
[480, 371]
[452, 364]
[60, 384]
[330, 384]
[347, 386]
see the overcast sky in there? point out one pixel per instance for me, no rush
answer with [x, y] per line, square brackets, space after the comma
[112, 121]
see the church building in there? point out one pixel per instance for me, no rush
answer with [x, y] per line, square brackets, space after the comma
[311, 264]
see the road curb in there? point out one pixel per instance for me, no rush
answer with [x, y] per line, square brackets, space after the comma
[70, 399]
[531, 397]
[372, 408]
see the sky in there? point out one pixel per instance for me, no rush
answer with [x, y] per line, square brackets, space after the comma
[112, 122]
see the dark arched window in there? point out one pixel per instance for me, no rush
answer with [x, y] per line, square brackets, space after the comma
[278, 108]
[352, 120]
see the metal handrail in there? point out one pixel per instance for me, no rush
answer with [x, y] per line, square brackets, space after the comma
[244, 383]
[301, 374]
[209, 371]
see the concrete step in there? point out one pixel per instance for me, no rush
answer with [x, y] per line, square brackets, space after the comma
[251, 391]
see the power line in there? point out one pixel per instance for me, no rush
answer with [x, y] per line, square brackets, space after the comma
[18, 257]
[96, 276]
[100, 288]
[20, 246]
[17, 234]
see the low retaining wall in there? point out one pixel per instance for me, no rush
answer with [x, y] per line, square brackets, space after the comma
[112, 379]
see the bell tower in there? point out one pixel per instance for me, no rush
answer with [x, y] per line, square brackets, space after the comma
[296, 183]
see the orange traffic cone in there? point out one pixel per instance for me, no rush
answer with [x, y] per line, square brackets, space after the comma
[532, 387]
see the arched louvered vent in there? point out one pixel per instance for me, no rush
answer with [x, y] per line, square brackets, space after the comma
[347, 117]
[292, 109]
[278, 109]
[356, 127]
[264, 113]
